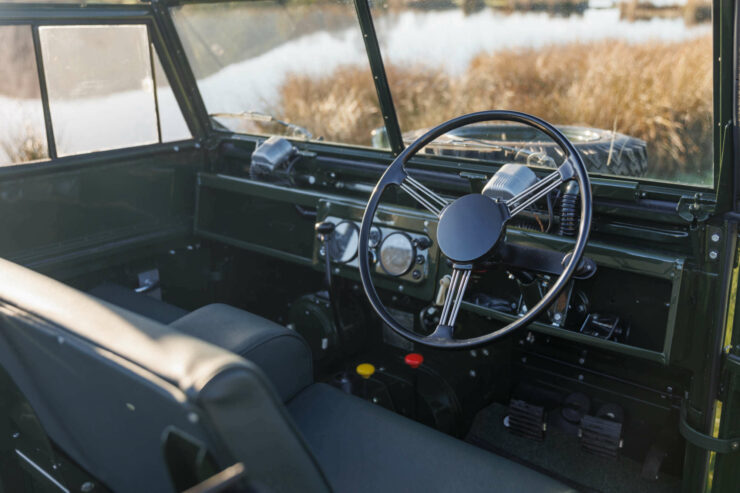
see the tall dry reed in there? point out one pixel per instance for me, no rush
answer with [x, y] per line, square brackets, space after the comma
[660, 92]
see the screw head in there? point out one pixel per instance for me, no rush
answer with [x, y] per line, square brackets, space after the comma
[713, 254]
[715, 237]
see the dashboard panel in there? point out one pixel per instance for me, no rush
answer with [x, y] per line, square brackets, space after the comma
[228, 211]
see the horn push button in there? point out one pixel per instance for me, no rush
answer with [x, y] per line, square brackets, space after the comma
[470, 227]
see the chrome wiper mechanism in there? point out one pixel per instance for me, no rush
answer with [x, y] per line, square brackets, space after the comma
[258, 116]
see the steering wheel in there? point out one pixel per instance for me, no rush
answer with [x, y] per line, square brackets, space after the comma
[473, 226]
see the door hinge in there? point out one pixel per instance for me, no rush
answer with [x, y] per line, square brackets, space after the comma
[696, 208]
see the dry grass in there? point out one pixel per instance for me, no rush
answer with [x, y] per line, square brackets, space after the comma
[658, 91]
[24, 146]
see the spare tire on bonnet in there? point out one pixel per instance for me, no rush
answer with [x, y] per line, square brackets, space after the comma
[603, 151]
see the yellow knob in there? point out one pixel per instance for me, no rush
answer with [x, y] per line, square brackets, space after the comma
[365, 370]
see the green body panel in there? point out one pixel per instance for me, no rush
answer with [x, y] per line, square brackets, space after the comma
[64, 212]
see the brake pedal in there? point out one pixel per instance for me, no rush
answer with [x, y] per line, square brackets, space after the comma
[526, 420]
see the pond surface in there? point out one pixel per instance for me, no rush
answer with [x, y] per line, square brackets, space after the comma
[449, 39]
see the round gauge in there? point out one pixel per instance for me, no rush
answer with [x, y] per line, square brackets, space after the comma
[344, 241]
[397, 254]
[375, 237]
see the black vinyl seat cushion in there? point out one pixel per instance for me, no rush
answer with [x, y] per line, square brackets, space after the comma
[364, 448]
[280, 353]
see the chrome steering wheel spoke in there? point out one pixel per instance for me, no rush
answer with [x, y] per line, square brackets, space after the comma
[540, 189]
[428, 199]
[453, 300]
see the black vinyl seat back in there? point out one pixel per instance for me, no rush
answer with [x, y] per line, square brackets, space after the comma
[109, 386]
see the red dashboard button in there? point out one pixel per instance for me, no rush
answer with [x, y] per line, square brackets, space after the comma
[414, 360]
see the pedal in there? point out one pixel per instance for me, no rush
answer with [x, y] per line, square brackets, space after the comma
[601, 436]
[526, 420]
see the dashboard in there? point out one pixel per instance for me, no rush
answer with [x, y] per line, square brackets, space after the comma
[263, 218]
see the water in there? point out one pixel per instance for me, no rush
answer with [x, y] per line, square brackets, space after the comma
[442, 38]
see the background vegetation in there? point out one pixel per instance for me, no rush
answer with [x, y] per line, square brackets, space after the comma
[660, 92]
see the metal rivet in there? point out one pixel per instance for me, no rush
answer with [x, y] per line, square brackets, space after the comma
[192, 417]
[715, 237]
[472, 373]
[713, 254]
[130, 406]
[87, 486]
[580, 378]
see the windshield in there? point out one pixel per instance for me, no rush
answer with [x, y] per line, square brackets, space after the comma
[629, 83]
[295, 68]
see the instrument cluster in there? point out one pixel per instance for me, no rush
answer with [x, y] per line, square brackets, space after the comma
[395, 253]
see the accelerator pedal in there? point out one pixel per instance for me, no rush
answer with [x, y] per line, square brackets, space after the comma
[601, 436]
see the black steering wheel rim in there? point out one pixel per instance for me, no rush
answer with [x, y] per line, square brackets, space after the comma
[396, 174]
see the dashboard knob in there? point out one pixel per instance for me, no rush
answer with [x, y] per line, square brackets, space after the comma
[325, 229]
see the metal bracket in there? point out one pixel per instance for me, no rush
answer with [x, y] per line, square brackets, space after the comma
[704, 441]
[695, 208]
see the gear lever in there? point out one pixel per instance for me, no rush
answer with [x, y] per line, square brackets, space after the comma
[325, 230]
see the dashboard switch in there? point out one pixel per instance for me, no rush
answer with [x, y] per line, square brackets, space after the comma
[414, 360]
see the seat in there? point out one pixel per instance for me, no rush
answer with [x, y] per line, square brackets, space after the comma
[364, 448]
[281, 353]
[110, 386]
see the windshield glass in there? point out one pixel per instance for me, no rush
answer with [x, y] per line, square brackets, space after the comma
[289, 67]
[630, 83]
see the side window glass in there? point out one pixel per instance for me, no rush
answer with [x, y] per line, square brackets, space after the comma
[101, 87]
[22, 128]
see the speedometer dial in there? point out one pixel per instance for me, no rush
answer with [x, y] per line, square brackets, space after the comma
[344, 242]
[397, 254]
